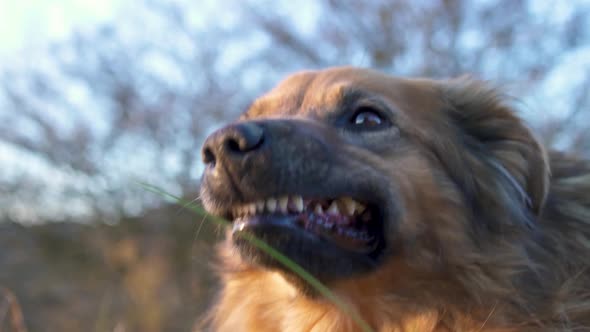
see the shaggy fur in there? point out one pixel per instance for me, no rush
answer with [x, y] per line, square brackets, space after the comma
[493, 232]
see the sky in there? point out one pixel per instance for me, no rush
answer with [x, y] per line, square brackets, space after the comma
[32, 24]
[28, 24]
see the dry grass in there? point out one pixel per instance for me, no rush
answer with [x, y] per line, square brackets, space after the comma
[11, 315]
[143, 274]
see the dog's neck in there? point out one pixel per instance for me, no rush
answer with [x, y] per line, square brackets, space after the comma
[261, 300]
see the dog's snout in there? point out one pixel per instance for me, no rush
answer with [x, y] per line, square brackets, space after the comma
[233, 141]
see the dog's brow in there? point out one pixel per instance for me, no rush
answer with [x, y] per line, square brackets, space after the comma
[351, 95]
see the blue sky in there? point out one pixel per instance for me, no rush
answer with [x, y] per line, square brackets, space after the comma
[31, 24]
[27, 24]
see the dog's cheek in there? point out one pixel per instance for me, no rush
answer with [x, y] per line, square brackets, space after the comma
[411, 179]
[432, 229]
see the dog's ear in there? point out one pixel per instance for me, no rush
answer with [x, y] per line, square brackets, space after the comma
[497, 143]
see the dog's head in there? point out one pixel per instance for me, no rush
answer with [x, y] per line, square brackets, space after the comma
[346, 170]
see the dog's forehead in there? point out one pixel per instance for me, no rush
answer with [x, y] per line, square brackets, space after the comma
[312, 93]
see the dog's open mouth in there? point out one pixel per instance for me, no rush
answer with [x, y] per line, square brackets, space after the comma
[348, 223]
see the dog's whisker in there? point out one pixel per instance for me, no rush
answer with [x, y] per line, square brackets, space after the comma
[187, 204]
[198, 232]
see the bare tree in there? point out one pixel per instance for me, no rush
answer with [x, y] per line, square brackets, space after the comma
[133, 100]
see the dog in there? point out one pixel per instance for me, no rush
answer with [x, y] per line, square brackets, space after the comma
[422, 205]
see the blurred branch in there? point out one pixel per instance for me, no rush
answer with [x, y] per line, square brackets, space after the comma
[284, 35]
[156, 83]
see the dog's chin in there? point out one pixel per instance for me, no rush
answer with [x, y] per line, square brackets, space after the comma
[329, 244]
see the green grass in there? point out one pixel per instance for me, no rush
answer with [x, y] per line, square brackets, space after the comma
[287, 262]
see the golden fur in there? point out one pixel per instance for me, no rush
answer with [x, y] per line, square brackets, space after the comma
[495, 233]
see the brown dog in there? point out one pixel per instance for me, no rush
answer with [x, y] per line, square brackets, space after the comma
[425, 205]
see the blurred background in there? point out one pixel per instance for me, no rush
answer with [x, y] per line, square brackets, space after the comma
[96, 97]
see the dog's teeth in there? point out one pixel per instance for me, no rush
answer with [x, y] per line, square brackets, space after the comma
[318, 209]
[260, 206]
[283, 203]
[349, 205]
[333, 209]
[298, 203]
[252, 209]
[360, 208]
[271, 205]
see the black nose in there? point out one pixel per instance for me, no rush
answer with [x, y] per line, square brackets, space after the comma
[233, 141]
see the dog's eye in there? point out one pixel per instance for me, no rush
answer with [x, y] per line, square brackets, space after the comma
[367, 117]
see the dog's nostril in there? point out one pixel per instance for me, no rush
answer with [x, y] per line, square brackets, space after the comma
[234, 146]
[232, 142]
[244, 137]
[208, 156]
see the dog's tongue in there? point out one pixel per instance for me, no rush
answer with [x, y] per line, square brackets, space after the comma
[338, 230]
[348, 242]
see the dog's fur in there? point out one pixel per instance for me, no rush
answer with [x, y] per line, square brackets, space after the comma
[491, 233]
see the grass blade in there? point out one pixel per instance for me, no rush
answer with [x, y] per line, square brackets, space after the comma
[286, 261]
